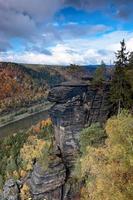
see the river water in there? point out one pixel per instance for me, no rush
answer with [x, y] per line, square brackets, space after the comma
[23, 124]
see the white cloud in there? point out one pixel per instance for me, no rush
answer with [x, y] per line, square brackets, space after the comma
[79, 51]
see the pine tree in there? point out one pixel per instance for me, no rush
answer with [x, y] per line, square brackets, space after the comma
[120, 87]
[99, 75]
[130, 60]
[122, 55]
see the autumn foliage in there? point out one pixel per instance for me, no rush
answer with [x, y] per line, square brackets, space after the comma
[19, 152]
[25, 192]
[42, 125]
[18, 88]
[108, 170]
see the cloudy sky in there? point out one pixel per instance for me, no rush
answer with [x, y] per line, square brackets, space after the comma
[64, 31]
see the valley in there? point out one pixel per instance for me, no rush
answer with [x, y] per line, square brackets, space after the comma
[66, 100]
[27, 87]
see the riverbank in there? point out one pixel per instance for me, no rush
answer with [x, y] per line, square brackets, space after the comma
[24, 122]
[22, 112]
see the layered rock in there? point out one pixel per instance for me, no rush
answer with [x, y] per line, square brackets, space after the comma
[97, 104]
[76, 104]
[48, 184]
[69, 117]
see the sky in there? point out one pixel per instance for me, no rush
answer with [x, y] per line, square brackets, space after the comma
[64, 32]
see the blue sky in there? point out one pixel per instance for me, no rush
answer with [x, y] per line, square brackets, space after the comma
[64, 31]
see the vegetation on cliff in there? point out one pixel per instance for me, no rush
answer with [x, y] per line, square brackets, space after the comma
[20, 151]
[105, 164]
[107, 170]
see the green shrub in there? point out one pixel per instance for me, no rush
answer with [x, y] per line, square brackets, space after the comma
[93, 135]
[9, 154]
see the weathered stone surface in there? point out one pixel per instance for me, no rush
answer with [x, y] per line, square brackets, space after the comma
[76, 106]
[97, 103]
[48, 184]
[70, 121]
[11, 191]
[66, 91]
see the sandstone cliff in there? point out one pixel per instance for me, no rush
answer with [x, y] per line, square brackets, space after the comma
[76, 105]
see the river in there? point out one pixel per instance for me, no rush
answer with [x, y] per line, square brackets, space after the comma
[23, 124]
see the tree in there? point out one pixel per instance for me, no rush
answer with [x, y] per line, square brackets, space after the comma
[93, 135]
[108, 170]
[99, 75]
[130, 60]
[18, 152]
[122, 56]
[129, 71]
[120, 87]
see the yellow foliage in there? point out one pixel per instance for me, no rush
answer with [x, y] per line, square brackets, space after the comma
[36, 128]
[20, 151]
[25, 192]
[44, 123]
[108, 169]
[23, 173]
[32, 150]
[13, 174]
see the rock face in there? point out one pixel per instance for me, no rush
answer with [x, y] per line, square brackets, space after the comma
[48, 184]
[75, 106]
[97, 104]
[11, 190]
[69, 117]
[66, 91]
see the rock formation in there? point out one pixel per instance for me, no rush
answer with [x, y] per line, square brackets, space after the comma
[48, 184]
[11, 190]
[76, 105]
[68, 116]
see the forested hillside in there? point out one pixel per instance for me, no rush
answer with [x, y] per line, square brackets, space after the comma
[18, 88]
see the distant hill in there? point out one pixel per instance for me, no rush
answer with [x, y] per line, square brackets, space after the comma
[72, 72]
[44, 74]
[27, 84]
[18, 87]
